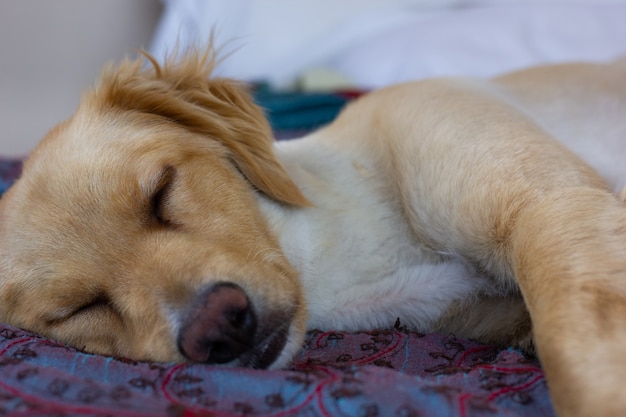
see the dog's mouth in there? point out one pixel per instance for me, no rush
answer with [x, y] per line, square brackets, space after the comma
[266, 351]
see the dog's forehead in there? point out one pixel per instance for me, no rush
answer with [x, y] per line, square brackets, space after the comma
[105, 147]
[72, 182]
[94, 166]
[74, 166]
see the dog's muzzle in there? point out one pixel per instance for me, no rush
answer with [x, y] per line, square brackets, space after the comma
[221, 327]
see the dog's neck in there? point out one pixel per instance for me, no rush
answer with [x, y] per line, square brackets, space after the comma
[353, 249]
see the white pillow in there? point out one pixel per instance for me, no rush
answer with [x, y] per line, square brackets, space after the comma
[376, 43]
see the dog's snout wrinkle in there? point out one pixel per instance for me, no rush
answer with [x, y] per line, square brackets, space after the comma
[220, 326]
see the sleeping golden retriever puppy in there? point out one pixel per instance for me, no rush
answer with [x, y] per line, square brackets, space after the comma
[161, 222]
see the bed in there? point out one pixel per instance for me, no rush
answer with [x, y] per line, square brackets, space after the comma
[376, 372]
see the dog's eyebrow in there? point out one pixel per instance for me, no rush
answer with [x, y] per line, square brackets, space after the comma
[158, 180]
[165, 178]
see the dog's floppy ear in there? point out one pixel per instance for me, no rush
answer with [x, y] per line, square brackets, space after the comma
[183, 92]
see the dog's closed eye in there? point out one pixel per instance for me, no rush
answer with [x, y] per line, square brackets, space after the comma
[100, 301]
[157, 208]
[88, 306]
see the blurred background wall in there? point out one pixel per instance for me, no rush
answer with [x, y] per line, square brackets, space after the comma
[51, 50]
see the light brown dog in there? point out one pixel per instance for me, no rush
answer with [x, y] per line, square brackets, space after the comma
[161, 222]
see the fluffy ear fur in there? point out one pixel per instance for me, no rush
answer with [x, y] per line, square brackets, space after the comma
[182, 91]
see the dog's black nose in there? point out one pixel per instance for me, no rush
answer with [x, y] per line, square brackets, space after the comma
[219, 327]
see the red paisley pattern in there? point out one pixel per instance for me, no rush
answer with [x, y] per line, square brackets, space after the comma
[378, 373]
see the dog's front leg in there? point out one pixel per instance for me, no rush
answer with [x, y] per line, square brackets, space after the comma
[569, 254]
[565, 246]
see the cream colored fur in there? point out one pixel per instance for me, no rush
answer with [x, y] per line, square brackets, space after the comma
[474, 207]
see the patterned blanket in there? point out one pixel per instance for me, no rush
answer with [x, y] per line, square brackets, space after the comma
[378, 373]
[390, 372]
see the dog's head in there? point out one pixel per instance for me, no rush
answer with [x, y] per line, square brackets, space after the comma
[134, 229]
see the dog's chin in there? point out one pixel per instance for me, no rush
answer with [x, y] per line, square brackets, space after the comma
[293, 345]
[274, 351]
